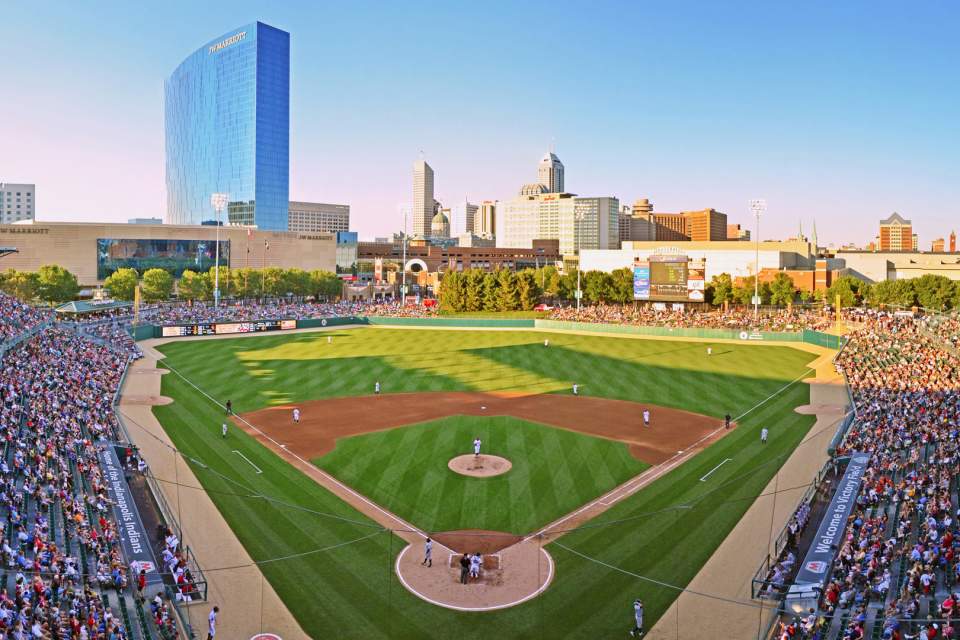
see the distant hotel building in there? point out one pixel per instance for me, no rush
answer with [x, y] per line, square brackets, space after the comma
[17, 202]
[227, 119]
[550, 173]
[318, 217]
[896, 234]
[485, 219]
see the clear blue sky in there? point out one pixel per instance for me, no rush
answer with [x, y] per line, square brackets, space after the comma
[842, 112]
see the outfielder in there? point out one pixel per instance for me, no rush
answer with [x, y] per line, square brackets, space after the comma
[763, 435]
[376, 387]
[576, 387]
[223, 430]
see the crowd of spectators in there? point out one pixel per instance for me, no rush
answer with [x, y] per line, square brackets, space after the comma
[897, 568]
[734, 318]
[17, 318]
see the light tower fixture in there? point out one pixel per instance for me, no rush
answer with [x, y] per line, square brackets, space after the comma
[758, 207]
[219, 201]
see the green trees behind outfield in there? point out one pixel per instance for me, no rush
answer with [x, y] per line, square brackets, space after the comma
[505, 290]
[54, 284]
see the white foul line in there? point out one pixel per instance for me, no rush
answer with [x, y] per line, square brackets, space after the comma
[248, 461]
[704, 478]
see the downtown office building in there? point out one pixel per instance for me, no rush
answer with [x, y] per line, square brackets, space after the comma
[227, 128]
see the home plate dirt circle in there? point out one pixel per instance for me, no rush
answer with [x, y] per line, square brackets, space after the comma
[510, 576]
[482, 466]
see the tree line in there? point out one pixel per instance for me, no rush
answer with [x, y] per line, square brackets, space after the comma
[52, 284]
[503, 290]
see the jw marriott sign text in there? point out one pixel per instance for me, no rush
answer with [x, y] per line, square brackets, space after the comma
[229, 41]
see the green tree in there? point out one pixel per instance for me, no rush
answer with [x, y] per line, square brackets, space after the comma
[567, 286]
[722, 285]
[782, 290]
[849, 290]
[325, 285]
[507, 295]
[227, 281]
[597, 286]
[297, 282]
[934, 291]
[621, 285]
[473, 290]
[491, 293]
[122, 283]
[157, 285]
[21, 284]
[806, 296]
[56, 284]
[271, 281]
[452, 292]
[743, 292]
[892, 293]
[549, 279]
[194, 286]
[528, 292]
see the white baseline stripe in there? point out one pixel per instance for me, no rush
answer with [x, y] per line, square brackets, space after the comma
[259, 470]
[704, 478]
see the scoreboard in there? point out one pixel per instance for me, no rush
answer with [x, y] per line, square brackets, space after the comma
[221, 328]
[668, 278]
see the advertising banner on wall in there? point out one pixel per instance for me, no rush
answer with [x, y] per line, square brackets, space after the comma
[378, 270]
[641, 280]
[696, 280]
[133, 535]
[819, 559]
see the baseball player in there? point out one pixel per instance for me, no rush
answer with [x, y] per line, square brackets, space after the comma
[223, 430]
[546, 343]
[709, 351]
[637, 631]
[476, 447]
[428, 553]
[726, 421]
[763, 435]
[646, 417]
[576, 387]
[229, 407]
[376, 387]
[329, 339]
[296, 415]
[212, 623]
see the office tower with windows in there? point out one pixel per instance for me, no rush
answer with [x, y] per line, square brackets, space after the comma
[227, 129]
[17, 202]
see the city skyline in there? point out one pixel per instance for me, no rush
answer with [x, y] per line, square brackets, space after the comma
[814, 110]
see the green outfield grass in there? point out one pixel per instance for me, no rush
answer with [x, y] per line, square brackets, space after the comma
[554, 472]
[351, 592]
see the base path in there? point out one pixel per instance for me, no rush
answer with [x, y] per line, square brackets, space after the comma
[323, 421]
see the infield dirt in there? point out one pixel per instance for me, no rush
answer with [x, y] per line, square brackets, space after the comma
[322, 422]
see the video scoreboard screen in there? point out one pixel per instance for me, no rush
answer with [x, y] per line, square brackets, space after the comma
[221, 328]
[668, 278]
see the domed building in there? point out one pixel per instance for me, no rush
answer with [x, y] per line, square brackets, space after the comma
[440, 226]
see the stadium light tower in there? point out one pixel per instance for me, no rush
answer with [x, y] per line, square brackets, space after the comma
[219, 201]
[759, 207]
[577, 220]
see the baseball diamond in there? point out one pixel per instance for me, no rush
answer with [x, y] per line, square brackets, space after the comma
[350, 492]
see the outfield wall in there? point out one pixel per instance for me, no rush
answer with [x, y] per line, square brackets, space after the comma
[808, 336]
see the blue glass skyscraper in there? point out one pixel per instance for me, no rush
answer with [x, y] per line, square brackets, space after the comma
[227, 117]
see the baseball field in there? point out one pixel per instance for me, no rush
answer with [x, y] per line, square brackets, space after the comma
[336, 566]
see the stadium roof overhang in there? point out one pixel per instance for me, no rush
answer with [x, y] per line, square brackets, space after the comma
[80, 307]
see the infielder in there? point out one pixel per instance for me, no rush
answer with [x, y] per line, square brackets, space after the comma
[637, 630]
[476, 447]
[646, 417]
[763, 435]
[296, 415]
[428, 553]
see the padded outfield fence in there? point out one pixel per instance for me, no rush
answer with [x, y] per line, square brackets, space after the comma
[829, 341]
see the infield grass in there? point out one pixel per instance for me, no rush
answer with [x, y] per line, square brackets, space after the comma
[554, 472]
[665, 532]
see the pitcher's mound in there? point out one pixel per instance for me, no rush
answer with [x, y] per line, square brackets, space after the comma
[482, 466]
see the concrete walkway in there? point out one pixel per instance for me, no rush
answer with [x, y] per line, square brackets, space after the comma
[248, 604]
